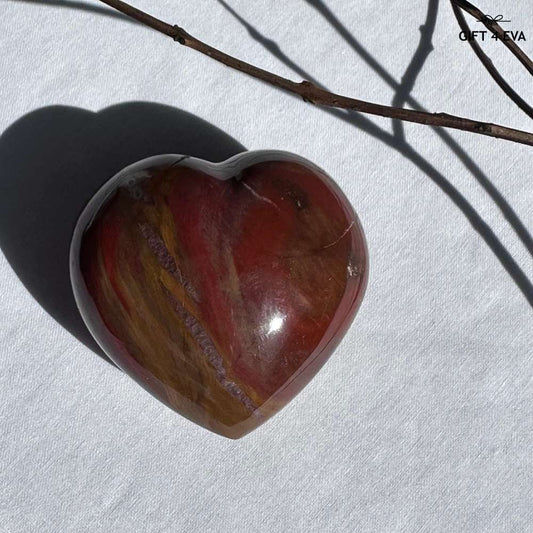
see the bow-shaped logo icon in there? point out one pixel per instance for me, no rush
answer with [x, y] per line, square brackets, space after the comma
[497, 18]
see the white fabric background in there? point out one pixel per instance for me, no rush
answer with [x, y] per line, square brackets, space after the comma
[423, 418]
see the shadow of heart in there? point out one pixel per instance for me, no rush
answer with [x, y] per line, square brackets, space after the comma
[54, 159]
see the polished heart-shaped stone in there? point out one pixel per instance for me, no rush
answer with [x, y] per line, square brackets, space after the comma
[220, 288]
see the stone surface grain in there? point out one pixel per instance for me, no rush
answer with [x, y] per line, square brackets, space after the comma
[223, 297]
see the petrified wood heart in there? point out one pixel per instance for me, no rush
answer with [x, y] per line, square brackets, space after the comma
[220, 288]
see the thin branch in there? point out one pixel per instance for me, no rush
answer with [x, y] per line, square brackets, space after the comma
[316, 95]
[142, 17]
[497, 30]
[489, 65]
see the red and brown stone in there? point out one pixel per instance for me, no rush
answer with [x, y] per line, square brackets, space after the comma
[222, 297]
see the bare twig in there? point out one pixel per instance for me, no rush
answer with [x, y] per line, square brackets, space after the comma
[497, 30]
[316, 95]
[489, 65]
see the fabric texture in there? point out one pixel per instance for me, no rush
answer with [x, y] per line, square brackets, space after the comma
[422, 420]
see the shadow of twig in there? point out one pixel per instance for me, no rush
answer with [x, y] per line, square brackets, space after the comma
[425, 47]
[398, 143]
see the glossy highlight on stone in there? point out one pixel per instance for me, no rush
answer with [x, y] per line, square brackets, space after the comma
[220, 288]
